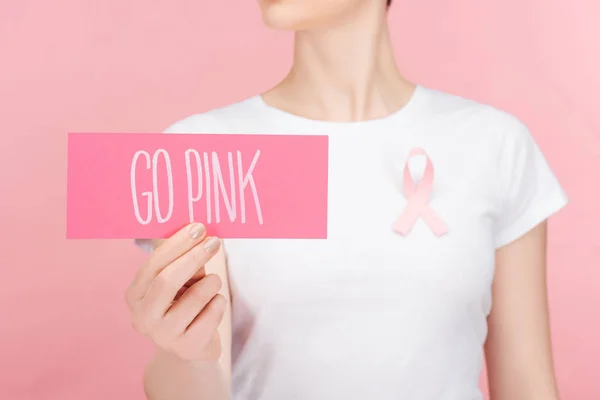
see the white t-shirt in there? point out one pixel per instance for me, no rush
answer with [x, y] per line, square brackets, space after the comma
[369, 313]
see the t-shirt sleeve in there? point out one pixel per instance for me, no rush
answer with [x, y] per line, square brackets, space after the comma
[144, 244]
[529, 189]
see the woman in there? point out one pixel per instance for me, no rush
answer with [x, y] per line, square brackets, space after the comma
[371, 312]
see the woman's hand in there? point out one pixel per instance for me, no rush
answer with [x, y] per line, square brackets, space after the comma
[173, 301]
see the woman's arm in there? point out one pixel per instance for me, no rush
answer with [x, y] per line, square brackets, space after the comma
[518, 348]
[168, 377]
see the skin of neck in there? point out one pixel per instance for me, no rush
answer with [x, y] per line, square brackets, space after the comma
[345, 71]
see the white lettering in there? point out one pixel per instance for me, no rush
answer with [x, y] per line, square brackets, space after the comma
[205, 170]
[165, 155]
[192, 199]
[218, 177]
[148, 195]
[207, 180]
[243, 181]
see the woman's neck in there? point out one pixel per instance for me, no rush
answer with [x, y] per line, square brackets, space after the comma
[344, 73]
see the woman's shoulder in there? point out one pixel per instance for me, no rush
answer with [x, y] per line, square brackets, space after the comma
[451, 108]
[223, 119]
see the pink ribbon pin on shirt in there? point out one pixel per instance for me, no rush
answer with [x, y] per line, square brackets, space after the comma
[418, 197]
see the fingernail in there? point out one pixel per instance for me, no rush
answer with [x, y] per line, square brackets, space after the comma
[212, 244]
[196, 231]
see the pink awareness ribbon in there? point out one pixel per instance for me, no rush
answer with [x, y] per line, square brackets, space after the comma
[418, 196]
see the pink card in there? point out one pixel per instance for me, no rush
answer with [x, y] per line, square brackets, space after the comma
[239, 186]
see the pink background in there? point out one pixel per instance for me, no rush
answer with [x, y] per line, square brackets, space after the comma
[109, 65]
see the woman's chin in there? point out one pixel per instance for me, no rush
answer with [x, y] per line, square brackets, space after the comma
[282, 22]
[286, 18]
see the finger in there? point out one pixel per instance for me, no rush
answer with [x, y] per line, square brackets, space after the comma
[191, 303]
[205, 324]
[201, 273]
[171, 249]
[170, 280]
[181, 292]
